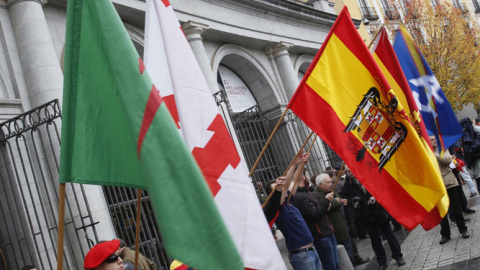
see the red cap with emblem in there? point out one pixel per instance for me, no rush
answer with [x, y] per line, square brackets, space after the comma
[99, 253]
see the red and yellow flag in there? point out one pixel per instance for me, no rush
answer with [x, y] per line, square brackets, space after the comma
[347, 101]
[385, 56]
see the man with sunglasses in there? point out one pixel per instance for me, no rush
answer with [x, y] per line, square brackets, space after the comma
[104, 256]
[128, 255]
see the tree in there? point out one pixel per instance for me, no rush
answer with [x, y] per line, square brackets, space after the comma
[447, 37]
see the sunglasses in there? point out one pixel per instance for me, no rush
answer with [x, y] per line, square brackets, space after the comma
[112, 258]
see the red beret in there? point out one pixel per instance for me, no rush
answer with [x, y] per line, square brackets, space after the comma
[99, 253]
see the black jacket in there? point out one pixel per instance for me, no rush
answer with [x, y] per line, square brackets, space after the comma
[372, 213]
[314, 211]
[273, 206]
[351, 189]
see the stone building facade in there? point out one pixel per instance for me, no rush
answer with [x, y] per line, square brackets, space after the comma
[261, 47]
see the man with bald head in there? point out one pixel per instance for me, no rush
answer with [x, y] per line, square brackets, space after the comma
[324, 184]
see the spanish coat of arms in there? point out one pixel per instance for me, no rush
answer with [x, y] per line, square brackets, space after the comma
[376, 126]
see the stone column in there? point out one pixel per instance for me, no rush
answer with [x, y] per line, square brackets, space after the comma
[193, 31]
[279, 52]
[42, 71]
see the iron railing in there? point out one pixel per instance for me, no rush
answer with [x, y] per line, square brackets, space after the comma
[253, 130]
[369, 13]
[29, 165]
[122, 204]
[391, 13]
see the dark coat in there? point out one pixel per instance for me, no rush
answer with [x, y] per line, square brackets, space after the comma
[273, 206]
[336, 216]
[372, 213]
[314, 211]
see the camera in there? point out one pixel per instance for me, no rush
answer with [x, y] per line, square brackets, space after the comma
[356, 202]
[372, 200]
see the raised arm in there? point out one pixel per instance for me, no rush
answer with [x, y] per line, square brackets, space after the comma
[294, 171]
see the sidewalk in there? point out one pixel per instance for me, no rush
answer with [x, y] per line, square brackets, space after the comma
[421, 249]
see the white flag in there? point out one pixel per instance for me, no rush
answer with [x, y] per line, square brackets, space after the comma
[177, 75]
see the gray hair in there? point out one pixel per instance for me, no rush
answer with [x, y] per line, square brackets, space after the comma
[320, 179]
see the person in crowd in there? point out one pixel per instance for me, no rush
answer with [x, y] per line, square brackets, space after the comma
[470, 147]
[128, 255]
[377, 222]
[461, 168]
[356, 221]
[272, 207]
[341, 179]
[476, 161]
[260, 192]
[128, 266]
[314, 211]
[450, 183]
[104, 256]
[324, 184]
[461, 194]
[299, 240]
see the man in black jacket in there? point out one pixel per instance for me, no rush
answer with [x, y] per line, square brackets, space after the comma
[377, 220]
[314, 211]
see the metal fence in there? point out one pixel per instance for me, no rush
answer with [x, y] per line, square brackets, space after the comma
[253, 130]
[122, 204]
[29, 164]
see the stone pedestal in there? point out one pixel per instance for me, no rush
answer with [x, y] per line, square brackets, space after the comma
[345, 263]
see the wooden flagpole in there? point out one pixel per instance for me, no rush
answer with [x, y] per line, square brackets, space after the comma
[303, 164]
[338, 176]
[137, 226]
[288, 168]
[61, 227]
[375, 38]
[267, 143]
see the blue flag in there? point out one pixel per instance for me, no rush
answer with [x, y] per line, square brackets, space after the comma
[439, 118]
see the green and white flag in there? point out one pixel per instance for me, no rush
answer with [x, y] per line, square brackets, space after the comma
[117, 131]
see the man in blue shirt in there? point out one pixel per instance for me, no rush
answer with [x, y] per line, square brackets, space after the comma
[299, 240]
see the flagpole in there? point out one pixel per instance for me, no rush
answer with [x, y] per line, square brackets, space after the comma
[338, 176]
[288, 168]
[267, 143]
[303, 164]
[61, 226]
[375, 37]
[137, 227]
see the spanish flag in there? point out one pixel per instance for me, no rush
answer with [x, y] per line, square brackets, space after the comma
[386, 59]
[177, 265]
[347, 101]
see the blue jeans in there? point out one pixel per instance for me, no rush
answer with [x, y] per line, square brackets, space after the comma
[305, 261]
[327, 251]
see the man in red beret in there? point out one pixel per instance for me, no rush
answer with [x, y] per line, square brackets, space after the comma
[104, 256]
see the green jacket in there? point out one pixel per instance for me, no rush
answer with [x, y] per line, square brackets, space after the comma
[336, 217]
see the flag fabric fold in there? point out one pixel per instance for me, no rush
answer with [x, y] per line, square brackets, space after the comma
[387, 61]
[117, 131]
[438, 116]
[178, 77]
[347, 101]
